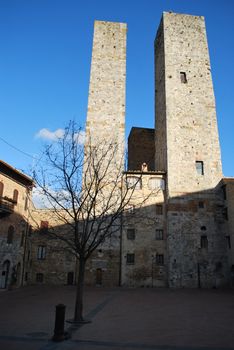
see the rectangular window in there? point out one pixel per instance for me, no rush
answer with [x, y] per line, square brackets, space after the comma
[130, 259]
[41, 252]
[159, 209]
[228, 239]
[159, 235]
[200, 205]
[204, 242]
[159, 259]
[200, 167]
[183, 77]
[131, 233]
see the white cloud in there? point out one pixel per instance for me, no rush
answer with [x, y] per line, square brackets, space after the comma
[40, 201]
[59, 133]
[50, 135]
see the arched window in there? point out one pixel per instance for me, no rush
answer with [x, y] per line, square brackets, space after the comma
[15, 196]
[10, 234]
[1, 189]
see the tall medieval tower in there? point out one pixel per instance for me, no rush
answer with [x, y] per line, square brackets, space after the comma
[106, 103]
[104, 143]
[187, 148]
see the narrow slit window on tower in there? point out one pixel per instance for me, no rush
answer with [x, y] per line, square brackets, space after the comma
[200, 167]
[183, 78]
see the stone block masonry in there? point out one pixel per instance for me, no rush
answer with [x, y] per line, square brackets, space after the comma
[106, 103]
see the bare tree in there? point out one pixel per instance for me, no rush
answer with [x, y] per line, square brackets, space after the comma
[84, 185]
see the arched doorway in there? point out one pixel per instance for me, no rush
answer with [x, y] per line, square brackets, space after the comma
[5, 274]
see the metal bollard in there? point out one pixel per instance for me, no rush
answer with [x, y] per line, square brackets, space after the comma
[59, 334]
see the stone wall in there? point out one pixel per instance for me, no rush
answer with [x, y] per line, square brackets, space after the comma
[56, 265]
[144, 255]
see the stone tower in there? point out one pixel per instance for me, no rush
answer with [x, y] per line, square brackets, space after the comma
[106, 102]
[187, 148]
[104, 145]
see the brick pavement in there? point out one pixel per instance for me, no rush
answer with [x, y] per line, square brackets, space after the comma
[159, 319]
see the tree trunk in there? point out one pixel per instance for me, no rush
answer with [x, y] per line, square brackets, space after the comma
[78, 315]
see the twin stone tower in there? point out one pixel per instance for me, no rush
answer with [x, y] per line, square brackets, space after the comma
[185, 247]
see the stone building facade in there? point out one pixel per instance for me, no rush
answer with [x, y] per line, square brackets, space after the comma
[177, 229]
[15, 201]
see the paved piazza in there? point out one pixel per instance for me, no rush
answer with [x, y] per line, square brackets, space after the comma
[160, 319]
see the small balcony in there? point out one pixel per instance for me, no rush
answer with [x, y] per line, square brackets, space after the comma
[6, 206]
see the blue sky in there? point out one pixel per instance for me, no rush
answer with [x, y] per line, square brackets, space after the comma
[45, 60]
